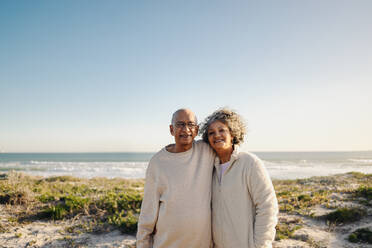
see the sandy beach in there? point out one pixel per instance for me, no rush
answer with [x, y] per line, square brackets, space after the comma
[71, 212]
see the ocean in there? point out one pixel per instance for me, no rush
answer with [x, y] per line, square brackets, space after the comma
[280, 165]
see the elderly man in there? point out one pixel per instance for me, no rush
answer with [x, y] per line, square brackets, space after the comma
[176, 208]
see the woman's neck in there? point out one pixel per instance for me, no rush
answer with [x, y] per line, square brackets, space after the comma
[224, 155]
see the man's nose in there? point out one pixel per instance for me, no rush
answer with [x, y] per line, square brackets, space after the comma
[186, 127]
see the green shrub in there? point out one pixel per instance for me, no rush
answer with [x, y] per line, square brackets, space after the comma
[304, 198]
[353, 238]
[363, 235]
[70, 206]
[285, 231]
[46, 198]
[358, 175]
[283, 193]
[62, 179]
[74, 203]
[126, 221]
[58, 212]
[286, 208]
[345, 215]
[116, 202]
[365, 192]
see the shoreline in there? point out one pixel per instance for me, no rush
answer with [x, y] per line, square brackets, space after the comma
[65, 211]
[289, 175]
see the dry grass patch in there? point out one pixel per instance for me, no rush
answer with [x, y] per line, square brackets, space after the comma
[114, 202]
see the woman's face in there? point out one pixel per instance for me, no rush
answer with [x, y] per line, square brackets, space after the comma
[219, 136]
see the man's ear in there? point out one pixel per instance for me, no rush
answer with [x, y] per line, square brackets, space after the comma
[197, 130]
[171, 130]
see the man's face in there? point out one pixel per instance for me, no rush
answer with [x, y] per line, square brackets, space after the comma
[184, 128]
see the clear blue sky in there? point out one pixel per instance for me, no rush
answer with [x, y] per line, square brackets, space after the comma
[106, 75]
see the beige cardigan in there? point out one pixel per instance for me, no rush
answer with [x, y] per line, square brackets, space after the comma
[244, 205]
[176, 210]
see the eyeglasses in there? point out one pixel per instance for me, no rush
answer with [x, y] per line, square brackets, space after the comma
[190, 125]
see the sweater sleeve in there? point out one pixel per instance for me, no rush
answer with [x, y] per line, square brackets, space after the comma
[149, 210]
[266, 205]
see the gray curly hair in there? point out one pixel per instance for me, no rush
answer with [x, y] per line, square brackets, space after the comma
[228, 117]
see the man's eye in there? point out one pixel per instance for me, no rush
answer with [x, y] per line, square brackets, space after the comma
[210, 133]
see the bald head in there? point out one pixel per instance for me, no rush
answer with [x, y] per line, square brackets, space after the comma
[183, 110]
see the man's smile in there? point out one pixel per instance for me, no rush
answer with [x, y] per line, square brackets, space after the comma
[185, 135]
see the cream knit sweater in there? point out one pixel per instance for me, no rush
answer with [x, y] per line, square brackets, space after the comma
[176, 210]
[244, 205]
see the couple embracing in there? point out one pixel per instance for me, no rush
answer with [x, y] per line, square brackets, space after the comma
[205, 193]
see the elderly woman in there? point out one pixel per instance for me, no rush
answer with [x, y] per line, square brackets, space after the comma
[244, 205]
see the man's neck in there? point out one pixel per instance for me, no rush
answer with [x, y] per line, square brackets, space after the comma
[176, 148]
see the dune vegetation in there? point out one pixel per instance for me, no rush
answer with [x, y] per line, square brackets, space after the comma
[101, 205]
[104, 203]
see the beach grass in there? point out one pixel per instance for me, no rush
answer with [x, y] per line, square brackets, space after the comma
[114, 202]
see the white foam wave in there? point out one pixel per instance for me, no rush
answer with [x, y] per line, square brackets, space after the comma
[80, 169]
[299, 169]
[283, 169]
[359, 160]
